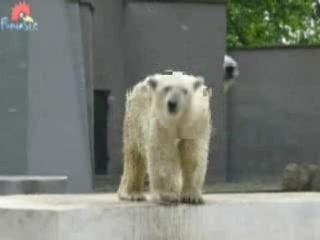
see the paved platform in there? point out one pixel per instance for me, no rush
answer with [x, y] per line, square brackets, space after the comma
[275, 216]
[32, 184]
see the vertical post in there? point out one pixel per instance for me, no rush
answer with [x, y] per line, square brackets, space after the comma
[86, 16]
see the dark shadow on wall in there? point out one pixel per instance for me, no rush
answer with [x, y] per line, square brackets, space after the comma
[101, 108]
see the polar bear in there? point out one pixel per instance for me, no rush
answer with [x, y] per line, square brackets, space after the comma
[167, 129]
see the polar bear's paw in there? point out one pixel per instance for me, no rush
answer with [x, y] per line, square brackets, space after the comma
[191, 198]
[166, 198]
[134, 196]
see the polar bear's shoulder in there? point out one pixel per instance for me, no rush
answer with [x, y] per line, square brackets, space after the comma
[202, 96]
[139, 94]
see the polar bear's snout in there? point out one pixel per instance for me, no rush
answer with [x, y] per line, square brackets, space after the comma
[172, 106]
[176, 100]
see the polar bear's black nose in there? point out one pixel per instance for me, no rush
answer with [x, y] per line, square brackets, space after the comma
[172, 106]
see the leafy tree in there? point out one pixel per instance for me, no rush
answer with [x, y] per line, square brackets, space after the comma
[273, 22]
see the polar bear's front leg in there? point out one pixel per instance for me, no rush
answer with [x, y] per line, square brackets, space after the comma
[165, 173]
[132, 181]
[194, 153]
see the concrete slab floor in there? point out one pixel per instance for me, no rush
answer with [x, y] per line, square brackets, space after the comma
[261, 216]
[110, 200]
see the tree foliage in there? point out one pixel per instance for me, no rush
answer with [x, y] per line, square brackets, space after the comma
[273, 22]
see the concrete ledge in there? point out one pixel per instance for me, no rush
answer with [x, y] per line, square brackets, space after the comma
[32, 184]
[101, 216]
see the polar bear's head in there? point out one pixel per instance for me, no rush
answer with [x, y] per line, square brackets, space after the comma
[173, 92]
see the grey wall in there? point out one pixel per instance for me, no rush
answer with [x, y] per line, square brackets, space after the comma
[13, 98]
[137, 38]
[109, 70]
[58, 131]
[275, 112]
[43, 105]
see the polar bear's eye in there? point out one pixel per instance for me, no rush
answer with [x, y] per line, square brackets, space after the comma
[185, 91]
[167, 89]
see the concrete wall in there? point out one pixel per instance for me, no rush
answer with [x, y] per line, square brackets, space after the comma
[58, 131]
[158, 35]
[13, 98]
[44, 125]
[274, 112]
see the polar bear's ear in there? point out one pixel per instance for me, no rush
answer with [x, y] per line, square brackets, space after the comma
[152, 82]
[199, 81]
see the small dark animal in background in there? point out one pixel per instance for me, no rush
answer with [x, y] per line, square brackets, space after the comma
[301, 177]
[231, 73]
